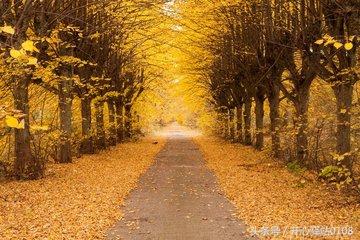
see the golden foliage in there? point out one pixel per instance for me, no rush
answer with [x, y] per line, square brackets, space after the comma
[13, 122]
[7, 29]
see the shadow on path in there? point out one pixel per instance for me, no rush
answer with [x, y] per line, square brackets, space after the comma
[178, 198]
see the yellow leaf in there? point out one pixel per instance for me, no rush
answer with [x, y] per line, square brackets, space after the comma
[329, 42]
[349, 46]
[320, 41]
[343, 111]
[29, 46]
[15, 53]
[327, 37]
[39, 128]
[11, 122]
[21, 125]
[32, 61]
[338, 45]
[8, 29]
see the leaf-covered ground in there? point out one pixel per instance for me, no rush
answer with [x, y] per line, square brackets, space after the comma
[268, 195]
[75, 201]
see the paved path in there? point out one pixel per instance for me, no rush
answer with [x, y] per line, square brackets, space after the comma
[178, 199]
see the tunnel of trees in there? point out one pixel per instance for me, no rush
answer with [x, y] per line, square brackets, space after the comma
[205, 107]
[68, 66]
[269, 63]
[72, 71]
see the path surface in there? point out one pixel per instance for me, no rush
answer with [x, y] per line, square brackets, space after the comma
[178, 199]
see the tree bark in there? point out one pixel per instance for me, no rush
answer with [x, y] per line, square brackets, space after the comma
[87, 144]
[112, 123]
[247, 121]
[128, 121]
[344, 96]
[231, 125]
[259, 112]
[223, 123]
[274, 102]
[239, 124]
[100, 126]
[301, 107]
[26, 166]
[65, 108]
[66, 72]
[119, 119]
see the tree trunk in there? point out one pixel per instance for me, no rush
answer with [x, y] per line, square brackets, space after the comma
[65, 100]
[231, 125]
[301, 107]
[65, 108]
[26, 166]
[112, 123]
[128, 121]
[100, 125]
[344, 96]
[247, 121]
[87, 144]
[119, 119]
[223, 122]
[239, 124]
[259, 112]
[274, 102]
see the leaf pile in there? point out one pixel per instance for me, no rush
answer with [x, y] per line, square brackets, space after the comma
[75, 201]
[267, 194]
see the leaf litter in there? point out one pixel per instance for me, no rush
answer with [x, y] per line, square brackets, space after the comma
[76, 201]
[268, 195]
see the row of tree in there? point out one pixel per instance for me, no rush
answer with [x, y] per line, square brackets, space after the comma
[85, 49]
[274, 50]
